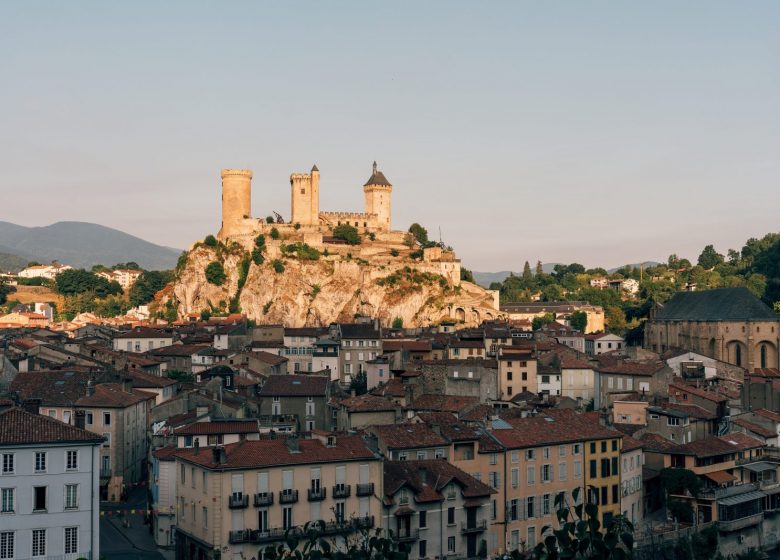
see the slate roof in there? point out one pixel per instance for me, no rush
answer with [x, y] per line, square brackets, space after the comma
[252, 454]
[377, 178]
[54, 388]
[723, 304]
[358, 330]
[19, 427]
[294, 386]
[144, 332]
[427, 480]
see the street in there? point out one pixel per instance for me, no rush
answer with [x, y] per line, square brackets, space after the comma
[125, 543]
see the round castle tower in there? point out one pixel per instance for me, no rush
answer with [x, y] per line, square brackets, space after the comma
[236, 200]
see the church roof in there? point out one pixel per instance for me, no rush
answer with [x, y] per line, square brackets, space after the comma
[724, 304]
[377, 178]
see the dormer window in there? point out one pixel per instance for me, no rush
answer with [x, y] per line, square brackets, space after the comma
[403, 497]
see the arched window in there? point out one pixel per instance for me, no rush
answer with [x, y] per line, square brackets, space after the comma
[763, 355]
[738, 355]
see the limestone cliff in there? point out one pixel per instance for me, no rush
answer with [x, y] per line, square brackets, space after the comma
[334, 287]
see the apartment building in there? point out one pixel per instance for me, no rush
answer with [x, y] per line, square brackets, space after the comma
[517, 371]
[237, 499]
[142, 339]
[632, 458]
[360, 343]
[49, 500]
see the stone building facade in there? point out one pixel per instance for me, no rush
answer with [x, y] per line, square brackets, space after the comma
[728, 324]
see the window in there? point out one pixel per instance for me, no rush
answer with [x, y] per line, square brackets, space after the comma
[423, 549]
[107, 437]
[603, 446]
[515, 456]
[71, 496]
[287, 518]
[422, 455]
[577, 469]
[423, 521]
[493, 509]
[531, 475]
[450, 545]
[513, 510]
[593, 468]
[72, 460]
[494, 480]
[40, 461]
[509, 376]
[439, 454]
[494, 458]
[530, 512]
[403, 497]
[39, 542]
[614, 465]
[71, 540]
[7, 544]
[561, 451]
[561, 471]
[546, 473]
[546, 504]
[8, 463]
[39, 498]
[546, 452]
[576, 449]
[530, 455]
[204, 482]
[604, 495]
[205, 517]
[615, 493]
[403, 456]
[515, 478]
[183, 474]
[106, 418]
[451, 516]
[7, 500]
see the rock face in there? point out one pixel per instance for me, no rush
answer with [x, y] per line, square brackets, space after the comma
[333, 288]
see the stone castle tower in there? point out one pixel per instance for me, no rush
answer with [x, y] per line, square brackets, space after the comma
[305, 204]
[377, 190]
[236, 200]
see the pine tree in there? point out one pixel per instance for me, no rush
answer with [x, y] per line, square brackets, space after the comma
[527, 272]
[539, 269]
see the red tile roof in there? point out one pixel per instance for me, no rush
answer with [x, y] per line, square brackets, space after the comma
[690, 389]
[167, 453]
[764, 413]
[755, 428]
[692, 410]
[407, 436]
[111, 395]
[253, 454]
[719, 445]
[428, 479]
[551, 427]
[410, 345]
[19, 427]
[444, 403]
[294, 386]
[219, 427]
[393, 388]
[367, 403]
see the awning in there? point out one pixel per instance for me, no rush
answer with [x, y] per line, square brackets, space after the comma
[742, 498]
[761, 466]
[720, 477]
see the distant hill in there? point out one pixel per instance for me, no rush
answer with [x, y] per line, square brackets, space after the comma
[646, 264]
[82, 245]
[12, 263]
[484, 279]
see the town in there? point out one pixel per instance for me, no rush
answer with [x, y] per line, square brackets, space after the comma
[221, 437]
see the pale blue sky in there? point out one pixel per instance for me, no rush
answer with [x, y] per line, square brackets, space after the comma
[597, 132]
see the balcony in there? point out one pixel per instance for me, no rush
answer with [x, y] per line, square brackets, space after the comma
[342, 491]
[288, 496]
[366, 489]
[275, 534]
[366, 522]
[238, 502]
[737, 524]
[239, 537]
[263, 499]
[105, 473]
[718, 493]
[316, 495]
[408, 535]
[477, 527]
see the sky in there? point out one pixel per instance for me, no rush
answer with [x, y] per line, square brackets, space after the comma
[594, 132]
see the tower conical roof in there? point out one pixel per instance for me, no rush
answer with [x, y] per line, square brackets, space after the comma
[377, 178]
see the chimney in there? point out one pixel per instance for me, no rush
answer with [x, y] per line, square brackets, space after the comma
[293, 444]
[81, 419]
[201, 411]
[32, 405]
[197, 446]
[90, 388]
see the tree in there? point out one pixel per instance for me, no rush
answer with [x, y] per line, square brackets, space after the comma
[210, 241]
[347, 233]
[274, 233]
[466, 275]
[710, 258]
[398, 323]
[420, 234]
[260, 242]
[579, 320]
[581, 536]
[277, 265]
[539, 268]
[527, 274]
[540, 322]
[359, 383]
[147, 285]
[5, 289]
[79, 281]
[615, 319]
[215, 273]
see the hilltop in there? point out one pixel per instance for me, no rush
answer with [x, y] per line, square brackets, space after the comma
[81, 245]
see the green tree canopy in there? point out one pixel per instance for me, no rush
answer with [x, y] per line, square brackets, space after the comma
[79, 281]
[579, 320]
[420, 234]
[147, 285]
[710, 258]
[466, 275]
[215, 273]
[347, 233]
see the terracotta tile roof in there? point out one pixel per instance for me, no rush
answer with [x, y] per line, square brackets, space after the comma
[444, 403]
[612, 363]
[692, 410]
[766, 372]
[677, 388]
[753, 427]
[19, 427]
[143, 380]
[178, 350]
[393, 388]
[428, 479]
[409, 345]
[631, 444]
[143, 332]
[764, 413]
[54, 388]
[719, 445]
[467, 344]
[367, 403]
[407, 436]
[219, 427]
[551, 427]
[657, 443]
[479, 413]
[269, 358]
[167, 453]
[253, 454]
[294, 386]
[111, 395]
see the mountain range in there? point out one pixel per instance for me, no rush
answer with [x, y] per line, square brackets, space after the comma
[80, 245]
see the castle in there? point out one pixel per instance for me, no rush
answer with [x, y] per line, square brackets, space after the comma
[237, 221]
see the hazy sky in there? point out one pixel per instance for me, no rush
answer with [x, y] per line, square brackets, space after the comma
[596, 132]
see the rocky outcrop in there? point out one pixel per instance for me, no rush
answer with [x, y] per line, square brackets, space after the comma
[329, 289]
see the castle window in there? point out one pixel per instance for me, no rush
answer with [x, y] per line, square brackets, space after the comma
[763, 355]
[303, 191]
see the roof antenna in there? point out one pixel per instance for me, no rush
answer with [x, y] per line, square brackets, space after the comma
[374, 167]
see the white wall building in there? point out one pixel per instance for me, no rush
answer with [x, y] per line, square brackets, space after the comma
[49, 488]
[48, 271]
